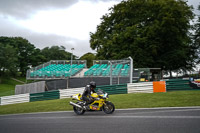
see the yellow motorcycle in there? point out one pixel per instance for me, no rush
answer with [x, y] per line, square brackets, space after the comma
[100, 103]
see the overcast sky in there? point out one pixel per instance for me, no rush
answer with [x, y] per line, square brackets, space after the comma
[55, 22]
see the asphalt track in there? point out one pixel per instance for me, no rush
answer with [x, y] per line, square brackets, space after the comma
[155, 120]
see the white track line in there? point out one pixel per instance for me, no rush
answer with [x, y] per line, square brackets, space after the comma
[163, 111]
[104, 117]
[192, 107]
[160, 108]
[37, 113]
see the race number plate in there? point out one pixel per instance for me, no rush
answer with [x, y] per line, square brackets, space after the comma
[94, 108]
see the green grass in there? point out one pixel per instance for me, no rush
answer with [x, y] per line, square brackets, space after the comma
[39, 106]
[169, 99]
[21, 78]
[6, 90]
[7, 87]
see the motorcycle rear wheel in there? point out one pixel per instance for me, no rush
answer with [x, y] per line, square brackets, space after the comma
[109, 108]
[78, 111]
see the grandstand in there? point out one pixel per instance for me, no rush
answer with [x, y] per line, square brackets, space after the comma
[70, 74]
[56, 69]
[62, 74]
[103, 68]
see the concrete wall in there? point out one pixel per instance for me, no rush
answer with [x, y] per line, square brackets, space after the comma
[30, 88]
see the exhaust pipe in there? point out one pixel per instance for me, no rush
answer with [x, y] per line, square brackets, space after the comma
[74, 104]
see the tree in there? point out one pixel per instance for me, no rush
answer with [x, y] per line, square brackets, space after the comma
[18, 55]
[155, 33]
[89, 57]
[8, 60]
[197, 35]
[25, 54]
[56, 53]
[37, 58]
[23, 51]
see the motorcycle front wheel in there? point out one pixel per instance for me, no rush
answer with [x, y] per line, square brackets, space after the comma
[109, 108]
[78, 111]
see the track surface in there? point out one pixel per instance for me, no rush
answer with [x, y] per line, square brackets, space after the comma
[156, 120]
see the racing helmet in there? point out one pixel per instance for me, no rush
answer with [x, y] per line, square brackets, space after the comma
[93, 84]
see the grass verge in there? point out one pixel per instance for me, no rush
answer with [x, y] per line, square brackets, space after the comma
[7, 87]
[169, 99]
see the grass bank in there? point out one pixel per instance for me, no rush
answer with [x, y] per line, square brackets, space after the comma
[169, 99]
[7, 86]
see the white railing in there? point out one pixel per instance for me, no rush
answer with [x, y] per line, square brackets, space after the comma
[67, 93]
[22, 98]
[143, 87]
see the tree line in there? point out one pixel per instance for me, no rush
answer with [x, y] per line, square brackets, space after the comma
[155, 33]
[17, 55]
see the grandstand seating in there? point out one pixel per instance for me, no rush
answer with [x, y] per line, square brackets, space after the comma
[91, 70]
[117, 70]
[57, 70]
[63, 69]
[104, 70]
[125, 70]
[100, 70]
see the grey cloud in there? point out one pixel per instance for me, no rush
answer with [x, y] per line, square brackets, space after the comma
[103, 0]
[195, 4]
[41, 40]
[47, 40]
[23, 8]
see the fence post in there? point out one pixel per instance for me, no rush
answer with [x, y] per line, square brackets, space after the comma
[131, 70]
[110, 72]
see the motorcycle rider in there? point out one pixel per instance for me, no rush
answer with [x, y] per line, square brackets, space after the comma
[87, 93]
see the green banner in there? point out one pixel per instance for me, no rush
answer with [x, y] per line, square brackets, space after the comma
[48, 95]
[177, 84]
[114, 89]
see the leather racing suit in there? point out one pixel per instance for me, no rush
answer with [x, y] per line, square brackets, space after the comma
[87, 94]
